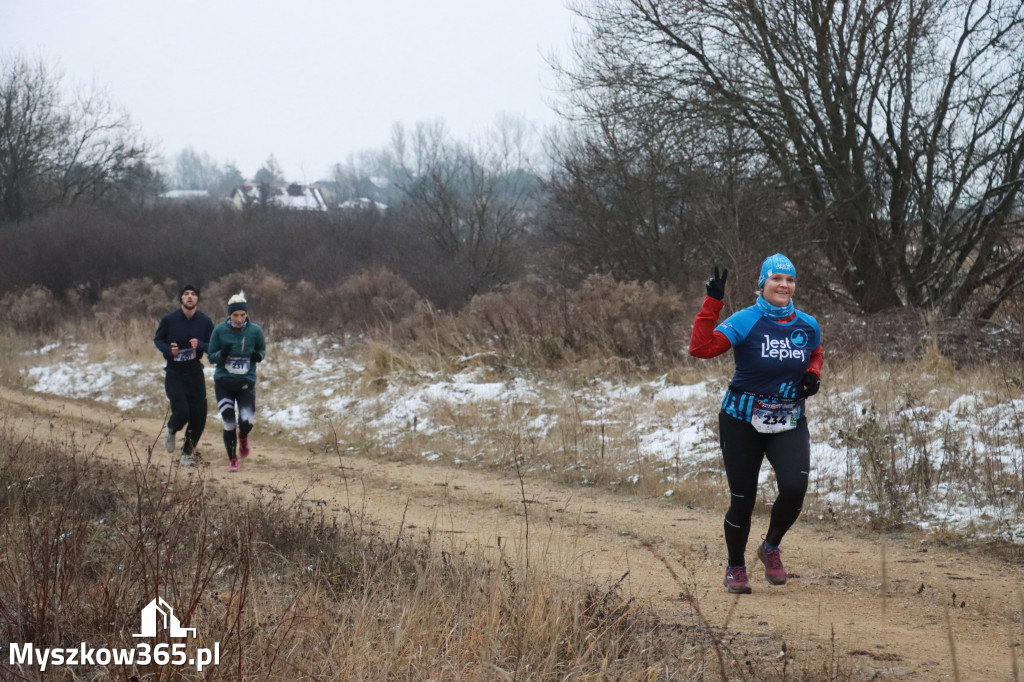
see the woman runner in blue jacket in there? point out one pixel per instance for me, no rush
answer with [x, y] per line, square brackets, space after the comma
[778, 356]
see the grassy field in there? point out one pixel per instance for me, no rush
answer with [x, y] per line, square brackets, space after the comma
[924, 440]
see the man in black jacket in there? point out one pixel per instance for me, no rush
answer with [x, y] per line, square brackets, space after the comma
[183, 336]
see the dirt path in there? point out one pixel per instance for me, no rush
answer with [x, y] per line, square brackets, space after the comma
[833, 606]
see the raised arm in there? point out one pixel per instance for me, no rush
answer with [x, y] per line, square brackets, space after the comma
[705, 341]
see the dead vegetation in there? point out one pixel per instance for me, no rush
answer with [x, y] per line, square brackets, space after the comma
[291, 590]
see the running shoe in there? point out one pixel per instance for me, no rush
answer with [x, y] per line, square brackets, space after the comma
[773, 569]
[243, 446]
[736, 580]
[233, 466]
[169, 440]
[187, 460]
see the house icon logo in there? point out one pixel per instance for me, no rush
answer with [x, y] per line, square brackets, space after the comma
[158, 611]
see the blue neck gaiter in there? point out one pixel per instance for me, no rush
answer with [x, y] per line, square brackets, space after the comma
[774, 312]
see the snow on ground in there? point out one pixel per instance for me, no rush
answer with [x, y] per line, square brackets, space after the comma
[75, 376]
[312, 385]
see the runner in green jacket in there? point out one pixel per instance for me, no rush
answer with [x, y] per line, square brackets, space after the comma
[236, 347]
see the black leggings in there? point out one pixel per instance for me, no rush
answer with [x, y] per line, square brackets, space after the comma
[743, 450]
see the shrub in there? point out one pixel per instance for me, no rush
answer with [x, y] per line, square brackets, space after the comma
[33, 310]
[373, 296]
[633, 320]
[137, 299]
[268, 294]
[644, 323]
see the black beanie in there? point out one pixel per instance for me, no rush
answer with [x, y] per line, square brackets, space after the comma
[188, 287]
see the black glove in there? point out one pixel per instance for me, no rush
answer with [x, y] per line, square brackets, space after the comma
[716, 285]
[256, 356]
[225, 352]
[810, 384]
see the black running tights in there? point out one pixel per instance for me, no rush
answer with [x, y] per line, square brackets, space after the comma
[743, 450]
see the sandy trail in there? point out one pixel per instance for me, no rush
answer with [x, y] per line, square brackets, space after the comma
[833, 605]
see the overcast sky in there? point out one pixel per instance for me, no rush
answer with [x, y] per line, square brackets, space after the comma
[309, 81]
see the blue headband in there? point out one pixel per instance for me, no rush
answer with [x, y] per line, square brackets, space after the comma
[774, 264]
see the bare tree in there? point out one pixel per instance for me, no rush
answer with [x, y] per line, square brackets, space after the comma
[649, 198]
[270, 172]
[471, 204]
[363, 176]
[230, 178]
[54, 152]
[896, 127]
[195, 171]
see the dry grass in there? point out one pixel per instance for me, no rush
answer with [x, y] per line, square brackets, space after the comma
[924, 436]
[535, 324]
[590, 422]
[925, 431]
[580, 371]
[290, 592]
[924, 439]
